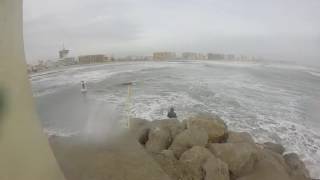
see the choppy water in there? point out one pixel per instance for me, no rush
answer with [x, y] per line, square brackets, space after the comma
[273, 102]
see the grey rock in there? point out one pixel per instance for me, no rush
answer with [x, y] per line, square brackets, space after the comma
[278, 148]
[187, 139]
[298, 171]
[158, 139]
[194, 159]
[270, 166]
[215, 169]
[174, 168]
[140, 129]
[240, 157]
[213, 125]
[239, 137]
[172, 125]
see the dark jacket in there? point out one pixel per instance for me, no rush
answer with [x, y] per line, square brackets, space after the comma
[172, 114]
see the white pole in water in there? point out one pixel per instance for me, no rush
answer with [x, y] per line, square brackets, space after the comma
[129, 101]
[127, 123]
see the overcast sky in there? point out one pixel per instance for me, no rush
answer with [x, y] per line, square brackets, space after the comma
[278, 29]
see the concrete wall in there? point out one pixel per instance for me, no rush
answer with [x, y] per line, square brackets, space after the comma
[24, 150]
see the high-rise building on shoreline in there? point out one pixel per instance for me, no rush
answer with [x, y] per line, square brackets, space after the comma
[164, 56]
[63, 53]
[87, 59]
[193, 56]
[67, 61]
[64, 60]
[215, 56]
[230, 57]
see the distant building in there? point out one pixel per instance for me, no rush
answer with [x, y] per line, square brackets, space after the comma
[63, 53]
[230, 57]
[133, 58]
[213, 56]
[67, 61]
[41, 66]
[202, 56]
[164, 56]
[243, 58]
[53, 63]
[147, 58]
[137, 58]
[189, 56]
[64, 60]
[108, 58]
[87, 59]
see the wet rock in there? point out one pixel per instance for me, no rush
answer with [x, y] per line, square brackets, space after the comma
[266, 153]
[172, 125]
[142, 135]
[182, 151]
[174, 168]
[270, 166]
[168, 153]
[162, 133]
[240, 157]
[185, 124]
[140, 128]
[239, 137]
[278, 148]
[194, 159]
[215, 169]
[213, 125]
[297, 168]
[187, 139]
[137, 123]
[158, 139]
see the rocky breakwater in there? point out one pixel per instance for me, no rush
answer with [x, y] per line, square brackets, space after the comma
[202, 148]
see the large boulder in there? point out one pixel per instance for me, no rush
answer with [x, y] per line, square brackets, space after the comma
[215, 169]
[194, 159]
[168, 154]
[213, 125]
[140, 129]
[158, 139]
[137, 123]
[184, 123]
[239, 137]
[240, 157]
[187, 139]
[297, 168]
[172, 125]
[174, 168]
[267, 153]
[270, 166]
[278, 148]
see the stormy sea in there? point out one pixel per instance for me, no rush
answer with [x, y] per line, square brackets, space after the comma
[274, 102]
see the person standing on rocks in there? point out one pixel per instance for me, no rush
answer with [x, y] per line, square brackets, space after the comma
[171, 113]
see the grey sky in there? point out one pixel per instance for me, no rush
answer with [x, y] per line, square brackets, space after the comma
[279, 29]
